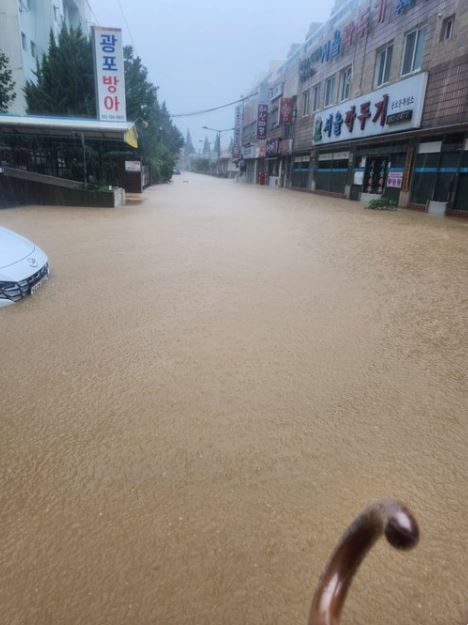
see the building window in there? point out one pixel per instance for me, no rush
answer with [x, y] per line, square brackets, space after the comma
[345, 83]
[24, 41]
[29, 4]
[56, 12]
[414, 50]
[383, 65]
[447, 28]
[306, 103]
[317, 97]
[33, 49]
[329, 91]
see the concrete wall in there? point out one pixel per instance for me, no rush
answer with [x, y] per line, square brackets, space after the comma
[14, 192]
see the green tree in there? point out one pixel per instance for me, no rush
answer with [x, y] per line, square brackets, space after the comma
[189, 148]
[65, 77]
[142, 104]
[206, 148]
[170, 135]
[65, 86]
[217, 145]
[7, 85]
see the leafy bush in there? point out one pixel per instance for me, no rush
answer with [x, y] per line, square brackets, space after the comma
[382, 204]
[162, 165]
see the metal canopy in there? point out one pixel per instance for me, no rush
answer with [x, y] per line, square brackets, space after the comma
[67, 127]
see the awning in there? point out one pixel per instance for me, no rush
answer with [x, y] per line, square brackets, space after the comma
[49, 126]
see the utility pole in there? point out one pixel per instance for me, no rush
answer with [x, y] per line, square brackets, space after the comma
[218, 138]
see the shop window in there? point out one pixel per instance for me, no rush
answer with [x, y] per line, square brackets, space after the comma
[329, 91]
[449, 164]
[331, 174]
[306, 103]
[383, 65]
[461, 197]
[273, 119]
[317, 97]
[300, 173]
[375, 175]
[424, 177]
[345, 83]
[24, 41]
[415, 42]
[447, 28]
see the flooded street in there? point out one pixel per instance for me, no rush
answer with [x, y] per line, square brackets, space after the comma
[210, 387]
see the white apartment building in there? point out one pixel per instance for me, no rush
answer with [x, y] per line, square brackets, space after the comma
[25, 27]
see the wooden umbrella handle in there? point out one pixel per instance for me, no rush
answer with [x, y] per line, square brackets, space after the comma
[387, 517]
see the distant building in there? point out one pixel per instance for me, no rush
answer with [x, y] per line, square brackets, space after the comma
[25, 27]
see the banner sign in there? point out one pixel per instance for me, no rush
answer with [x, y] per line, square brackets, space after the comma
[395, 179]
[272, 147]
[262, 121]
[109, 74]
[238, 121]
[133, 166]
[286, 111]
[390, 109]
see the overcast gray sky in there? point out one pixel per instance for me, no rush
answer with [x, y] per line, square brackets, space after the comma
[207, 52]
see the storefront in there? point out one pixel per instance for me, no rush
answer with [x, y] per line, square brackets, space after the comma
[440, 176]
[249, 154]
[331, 173]
[301, 171]
[273, 162]
[378, 170]
[365, 163]
[284, 148]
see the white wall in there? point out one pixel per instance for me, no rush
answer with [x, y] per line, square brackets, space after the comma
[34, 18]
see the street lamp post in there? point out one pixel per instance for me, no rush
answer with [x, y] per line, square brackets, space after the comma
[218, 141]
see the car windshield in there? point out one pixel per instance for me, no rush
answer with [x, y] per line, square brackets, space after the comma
[233, 297]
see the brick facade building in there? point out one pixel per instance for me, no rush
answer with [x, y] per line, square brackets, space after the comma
[382, 104]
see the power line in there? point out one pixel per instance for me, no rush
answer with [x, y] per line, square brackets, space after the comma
[126, 24]
[93, 14]
[214, 108]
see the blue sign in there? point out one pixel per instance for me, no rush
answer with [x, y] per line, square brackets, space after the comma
[403, 5]
[336, 44]
[325, 52]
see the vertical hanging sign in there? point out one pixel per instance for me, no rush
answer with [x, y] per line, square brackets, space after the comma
[109, 74]
[286, 111]
[238, 123]
[262, 120]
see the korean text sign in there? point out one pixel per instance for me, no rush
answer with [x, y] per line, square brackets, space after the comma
[262, 121]
[390, 109]
[109, 73]
[238, 123]
[286, 111]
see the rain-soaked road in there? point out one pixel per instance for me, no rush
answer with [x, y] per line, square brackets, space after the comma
[210, 387]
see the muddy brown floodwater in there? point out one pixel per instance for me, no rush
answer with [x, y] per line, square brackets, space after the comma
[210, 387]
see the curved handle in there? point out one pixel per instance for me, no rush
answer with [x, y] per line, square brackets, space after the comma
[387, 517]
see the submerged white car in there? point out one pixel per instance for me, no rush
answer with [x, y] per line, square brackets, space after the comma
[23, 267]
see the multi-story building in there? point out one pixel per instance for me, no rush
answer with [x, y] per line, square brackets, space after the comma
[382, 105]
[25, 27]
[254, 130]
[389, 112]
